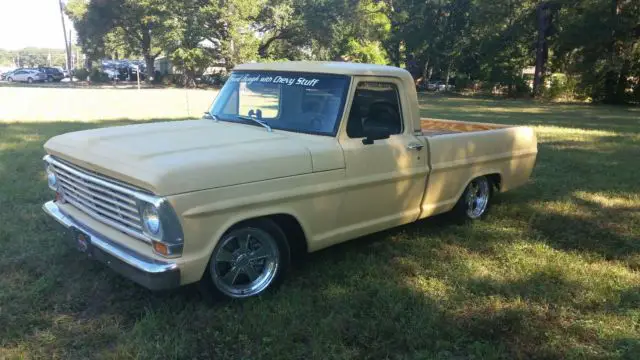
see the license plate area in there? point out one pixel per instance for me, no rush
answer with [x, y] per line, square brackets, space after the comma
[82, 240]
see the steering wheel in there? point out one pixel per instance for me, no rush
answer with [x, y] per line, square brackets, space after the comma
[316, 121]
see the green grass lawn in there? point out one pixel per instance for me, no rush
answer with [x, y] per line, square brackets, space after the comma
[552, 273]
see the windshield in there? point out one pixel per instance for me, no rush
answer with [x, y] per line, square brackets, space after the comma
[290, 101]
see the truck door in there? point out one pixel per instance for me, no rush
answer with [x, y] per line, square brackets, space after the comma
[386, 177]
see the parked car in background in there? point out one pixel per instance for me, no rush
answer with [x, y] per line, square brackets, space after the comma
[27, 75]
[52, 74]
[111, 72]
[5, 74]
[439, 86]
[64, 72]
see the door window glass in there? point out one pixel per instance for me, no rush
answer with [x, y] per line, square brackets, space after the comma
[375, 105]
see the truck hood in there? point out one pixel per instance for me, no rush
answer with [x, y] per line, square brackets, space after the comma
[176, 157]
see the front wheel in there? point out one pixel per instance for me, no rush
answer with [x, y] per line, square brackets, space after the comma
[10, 79]
[249, 259]
[30, 80]
[475, 200]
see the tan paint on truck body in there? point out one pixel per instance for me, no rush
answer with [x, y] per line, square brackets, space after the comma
[216, 174]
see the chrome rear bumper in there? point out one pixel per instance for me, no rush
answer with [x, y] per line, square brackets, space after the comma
[148, 272]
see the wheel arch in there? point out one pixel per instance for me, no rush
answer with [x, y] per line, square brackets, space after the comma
[290, 226]
[494, 176]
[288, 222]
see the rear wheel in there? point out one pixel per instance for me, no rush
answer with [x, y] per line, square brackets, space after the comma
[49, 78]
[250, 259]
[30, 80]
[475, 200]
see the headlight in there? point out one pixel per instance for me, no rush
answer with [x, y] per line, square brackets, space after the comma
[162, 226]
[151, 220]
[52, 179]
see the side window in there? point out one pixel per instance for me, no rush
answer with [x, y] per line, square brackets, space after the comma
[376, 105]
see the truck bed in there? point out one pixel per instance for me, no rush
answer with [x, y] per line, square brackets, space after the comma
[434, 127]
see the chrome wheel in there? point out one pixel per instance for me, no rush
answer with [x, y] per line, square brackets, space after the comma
[245, 262]
[477, 197]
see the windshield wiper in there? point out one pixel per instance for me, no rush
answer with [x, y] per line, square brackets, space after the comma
[261, 122]
[210, 115]
[213, 116]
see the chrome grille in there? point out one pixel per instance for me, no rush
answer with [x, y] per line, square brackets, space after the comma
[104, 200]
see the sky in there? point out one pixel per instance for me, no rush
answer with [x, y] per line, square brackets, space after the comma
[31, 23]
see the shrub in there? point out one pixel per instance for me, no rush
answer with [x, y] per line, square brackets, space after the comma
[522, 89]
[98, 76]
[157, 77]
[564, 87]
[81, 74]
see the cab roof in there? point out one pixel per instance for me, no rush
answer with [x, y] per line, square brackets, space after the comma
[328, 67]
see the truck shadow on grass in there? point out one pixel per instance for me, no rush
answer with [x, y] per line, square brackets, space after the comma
[510, 287]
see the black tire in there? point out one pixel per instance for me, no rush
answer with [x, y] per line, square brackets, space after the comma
[471, 207]
[49, 78]
[210, 285]
[10, 79]
[30, 80]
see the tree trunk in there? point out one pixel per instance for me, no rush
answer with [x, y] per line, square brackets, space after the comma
[423, 78]
[396, 55]
[621, 86]
[612, 81]
[149, 62]
[425, 70]
[541, 49]
[446, 81]
[146, 53]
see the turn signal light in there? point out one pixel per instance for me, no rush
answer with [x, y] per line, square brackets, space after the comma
[160, 248]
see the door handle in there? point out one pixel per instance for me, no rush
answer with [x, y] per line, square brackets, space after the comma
[415, 146]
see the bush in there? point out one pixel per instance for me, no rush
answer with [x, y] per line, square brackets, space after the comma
[171, 79]
[563, 87]
[463, 82]
[157, 77]
[81, 74]
[522, 89]
[98, 76]
[215, 79]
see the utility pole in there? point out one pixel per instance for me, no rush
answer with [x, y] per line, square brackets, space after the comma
[66, 43]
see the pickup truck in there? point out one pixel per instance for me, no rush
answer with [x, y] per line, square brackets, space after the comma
[291, 157]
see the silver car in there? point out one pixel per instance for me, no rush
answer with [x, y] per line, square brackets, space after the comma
[28, 75]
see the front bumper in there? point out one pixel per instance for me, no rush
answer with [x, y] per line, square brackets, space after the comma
[151, 273]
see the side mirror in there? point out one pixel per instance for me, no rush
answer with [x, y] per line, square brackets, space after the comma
[373, 134]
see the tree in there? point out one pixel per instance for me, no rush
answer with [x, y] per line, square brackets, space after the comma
[599, 41]
[141, 24]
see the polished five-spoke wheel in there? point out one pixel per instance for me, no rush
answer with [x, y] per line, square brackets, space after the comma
[477, 197]
[248, 260]
[474, 202]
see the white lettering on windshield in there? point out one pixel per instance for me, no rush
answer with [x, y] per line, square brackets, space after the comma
[250, 78]
[307, 82]
[284, 80]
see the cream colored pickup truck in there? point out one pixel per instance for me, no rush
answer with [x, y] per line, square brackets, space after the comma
[291, 157]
